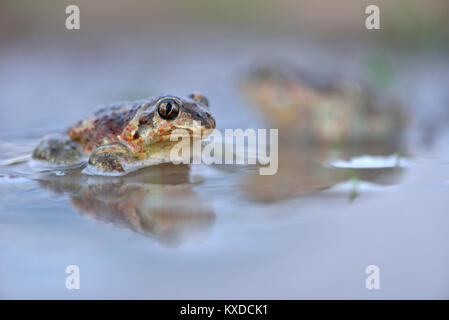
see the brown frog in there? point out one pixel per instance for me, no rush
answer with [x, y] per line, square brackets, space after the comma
[123, 135]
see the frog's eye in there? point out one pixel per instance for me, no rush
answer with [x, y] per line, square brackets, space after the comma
[168, 109]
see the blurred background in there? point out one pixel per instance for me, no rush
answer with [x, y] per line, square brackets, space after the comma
[132, 50]
[248, 238]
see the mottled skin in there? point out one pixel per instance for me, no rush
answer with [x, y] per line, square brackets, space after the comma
[122, 133]
[324, 109]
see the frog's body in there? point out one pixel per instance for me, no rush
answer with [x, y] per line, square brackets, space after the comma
[126, 132]
[324, 109]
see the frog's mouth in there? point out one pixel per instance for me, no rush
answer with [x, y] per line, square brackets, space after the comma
[208, 126]
[201, 132]
[200, 129]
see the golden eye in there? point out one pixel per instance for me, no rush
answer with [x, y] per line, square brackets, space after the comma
[168, 109]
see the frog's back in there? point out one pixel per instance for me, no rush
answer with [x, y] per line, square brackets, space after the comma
[105, 124]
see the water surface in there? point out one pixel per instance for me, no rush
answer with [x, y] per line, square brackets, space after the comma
[173, 232]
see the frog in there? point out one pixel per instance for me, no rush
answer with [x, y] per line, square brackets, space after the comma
[124, 135]
[321, 118]
[321, 108]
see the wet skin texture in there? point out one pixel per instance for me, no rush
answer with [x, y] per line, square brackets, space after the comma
[126, 132]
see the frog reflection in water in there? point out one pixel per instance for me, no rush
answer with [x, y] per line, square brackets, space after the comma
[126, 135]
[321, 119]
[157, 201]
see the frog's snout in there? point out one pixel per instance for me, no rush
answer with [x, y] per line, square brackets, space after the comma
[205, 120]
[209, 122]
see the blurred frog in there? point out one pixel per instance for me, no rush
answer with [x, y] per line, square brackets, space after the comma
[324, 109]
[157, 201]
[321, 120]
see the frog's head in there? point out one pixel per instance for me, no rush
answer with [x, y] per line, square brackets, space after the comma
[170, 113]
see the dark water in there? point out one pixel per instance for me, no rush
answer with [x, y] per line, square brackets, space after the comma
[216, 231]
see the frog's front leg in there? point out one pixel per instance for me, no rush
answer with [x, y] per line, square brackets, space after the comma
[58, 149]
[111, 157]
